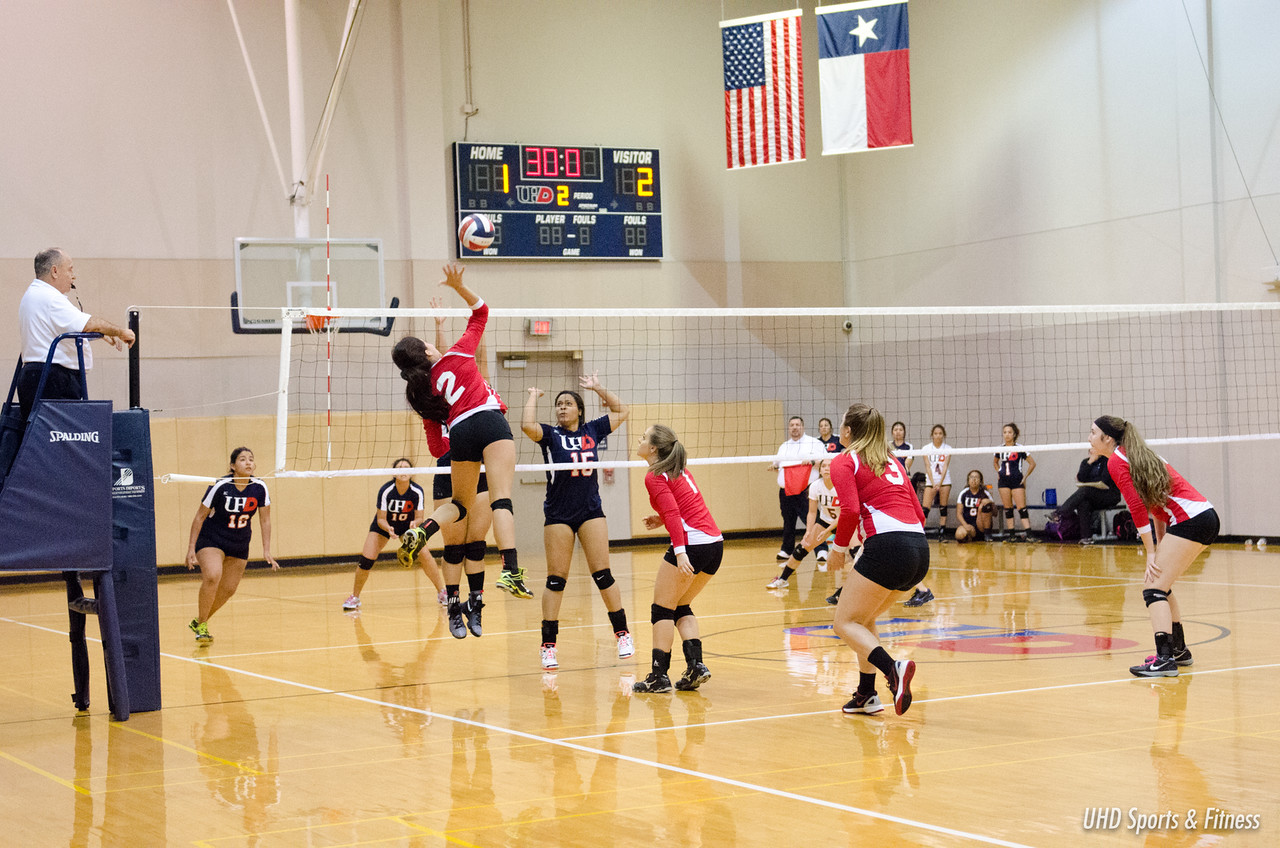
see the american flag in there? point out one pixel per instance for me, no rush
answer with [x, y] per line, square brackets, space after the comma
[763, 90]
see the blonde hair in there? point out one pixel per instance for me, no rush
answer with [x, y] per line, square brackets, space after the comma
[671, 454]
[866, 436]
[1149, 473]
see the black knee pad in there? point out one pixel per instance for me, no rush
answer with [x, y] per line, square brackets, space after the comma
[604, 578]
[683, 610]
[942, 510]
[1152, 596]
[502, 503]
[474, 550]
[657, 613]
[555, 584]
[365, 563]
[453, 554]
[1008, 512]
[462, 510]
[1024, 513]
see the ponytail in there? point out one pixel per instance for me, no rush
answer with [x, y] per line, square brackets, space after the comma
[671, 454]
[410, 356]
[866, 436]
[1147, 470]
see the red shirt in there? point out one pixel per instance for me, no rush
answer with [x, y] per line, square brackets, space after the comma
[682, 509]
[457, 378]
[885, 504]
[1184, 501]
[437, 437]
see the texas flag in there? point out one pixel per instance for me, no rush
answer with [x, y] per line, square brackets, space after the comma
[864, 75]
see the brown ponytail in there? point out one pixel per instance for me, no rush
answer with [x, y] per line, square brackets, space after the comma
[410, 356]
[671, 454]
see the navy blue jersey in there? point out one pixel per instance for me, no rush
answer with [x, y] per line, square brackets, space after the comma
[233, 508]
[969, 504]
[1011, 462]
[572, 493]
[400, 508]
[831, 443]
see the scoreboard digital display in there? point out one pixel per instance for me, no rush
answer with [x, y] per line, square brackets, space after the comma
[560, 202]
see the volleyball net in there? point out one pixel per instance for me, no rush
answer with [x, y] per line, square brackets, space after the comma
[726, 380]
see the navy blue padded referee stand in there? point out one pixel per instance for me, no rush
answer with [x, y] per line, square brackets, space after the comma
[66, 446]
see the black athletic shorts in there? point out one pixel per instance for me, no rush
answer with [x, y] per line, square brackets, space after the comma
[375, 527]
[442, 487]
[470, 436]
[1013, 481]
[1201, 529]
[897, 560]
[705, 559]
[235, 548]
[575, 522]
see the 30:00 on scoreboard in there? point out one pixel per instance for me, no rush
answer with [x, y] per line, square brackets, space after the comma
[561, 202]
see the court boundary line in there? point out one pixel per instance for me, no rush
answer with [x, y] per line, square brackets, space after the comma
[598, 752]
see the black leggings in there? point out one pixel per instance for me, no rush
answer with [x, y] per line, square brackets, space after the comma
[1084, 501]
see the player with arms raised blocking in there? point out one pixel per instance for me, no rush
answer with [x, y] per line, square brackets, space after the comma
[573, 507]
[1185, 522]
[401, 504]
[693, 558]
[449, 387]
[220, 535]
[874, 487]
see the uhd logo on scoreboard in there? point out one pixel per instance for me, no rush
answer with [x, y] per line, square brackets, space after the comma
[63, 436]
[534, 194]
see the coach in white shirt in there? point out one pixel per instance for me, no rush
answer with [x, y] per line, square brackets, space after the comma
[47, 312]
[797, 468]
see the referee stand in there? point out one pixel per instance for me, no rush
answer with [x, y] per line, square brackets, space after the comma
[107, 530]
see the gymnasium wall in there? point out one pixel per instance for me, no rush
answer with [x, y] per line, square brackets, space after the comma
[1067, 151]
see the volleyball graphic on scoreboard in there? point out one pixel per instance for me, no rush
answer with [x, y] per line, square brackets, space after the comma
[476, 232]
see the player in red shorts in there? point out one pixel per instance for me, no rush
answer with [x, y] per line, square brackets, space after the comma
[874, 487]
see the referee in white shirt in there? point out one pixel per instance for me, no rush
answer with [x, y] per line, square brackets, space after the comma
[797, 468]
[47, 312]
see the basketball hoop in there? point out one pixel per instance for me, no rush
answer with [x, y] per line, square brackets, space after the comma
[320, 323]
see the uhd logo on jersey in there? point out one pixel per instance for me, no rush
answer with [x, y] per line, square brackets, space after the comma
[126, 477]
[245, 504]
[535, 194]
[63, 436]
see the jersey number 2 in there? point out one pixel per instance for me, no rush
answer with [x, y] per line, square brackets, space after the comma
[445, 386]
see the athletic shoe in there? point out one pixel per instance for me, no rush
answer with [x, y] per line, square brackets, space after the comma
[822, 557]
[513, 582]
[474, 606]
[834, 599]
[412, 541]
[903, 671]
[1182, 658]
[783, 556]
[1155, 667]
[351, 603]
[201, 629]
[653, 683]
[549, 661]
[443, 597]
[693, 677]
[1087, 540]
[776, 583]
[626, 645]
[457, 627]
[919, 599]
[866, 704]
[84, 605]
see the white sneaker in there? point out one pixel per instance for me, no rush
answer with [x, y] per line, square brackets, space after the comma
[626, 645]
[351, 603]
[822, 557]
[549, 657]
[776, 583]
[783, 556]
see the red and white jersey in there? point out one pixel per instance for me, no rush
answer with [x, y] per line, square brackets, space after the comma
[437, 437]
[456, 376]
[682, 509]
[885, 504]
[1184, 501]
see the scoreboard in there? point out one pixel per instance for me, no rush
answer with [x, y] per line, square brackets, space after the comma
[559, 202]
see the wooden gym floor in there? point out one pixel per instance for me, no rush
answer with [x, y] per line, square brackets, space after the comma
[301, 725]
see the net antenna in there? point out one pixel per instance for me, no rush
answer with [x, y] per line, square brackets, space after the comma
[325, 324]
